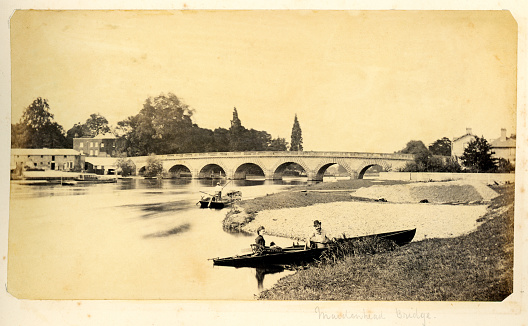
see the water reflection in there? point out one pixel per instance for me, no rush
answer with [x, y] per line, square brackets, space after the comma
[152, 209]
[260, 272]
[179, 229]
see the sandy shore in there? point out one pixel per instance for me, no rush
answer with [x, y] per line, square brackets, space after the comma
[354, 218]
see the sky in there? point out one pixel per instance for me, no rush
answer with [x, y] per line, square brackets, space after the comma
[359, 81]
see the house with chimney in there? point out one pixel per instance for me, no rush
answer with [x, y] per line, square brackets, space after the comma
[505, 147]
[459, 144]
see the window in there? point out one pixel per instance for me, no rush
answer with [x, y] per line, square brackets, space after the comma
[91, 152]
[102, 145]
[53, 157]
[91, 144]
[65, 156]
[81, 145]
[96, 152]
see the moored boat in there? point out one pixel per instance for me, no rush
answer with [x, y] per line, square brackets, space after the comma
[296, 254]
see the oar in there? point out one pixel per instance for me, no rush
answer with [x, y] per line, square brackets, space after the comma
[226, 184]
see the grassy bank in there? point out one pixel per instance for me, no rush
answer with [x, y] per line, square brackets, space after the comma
[301, 196]
[474, 267]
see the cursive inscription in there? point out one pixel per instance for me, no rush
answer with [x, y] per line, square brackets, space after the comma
[413, 314]
[348, 315]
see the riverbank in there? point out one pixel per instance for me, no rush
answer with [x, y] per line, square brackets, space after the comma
[352, 207]
[468, 237]
[477, 266]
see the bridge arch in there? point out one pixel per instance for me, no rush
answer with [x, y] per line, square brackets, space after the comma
[141, 170]
[322, 167]
[278, 170]
[248, 168]
[180, 171]
[211, 171]
[365, 165]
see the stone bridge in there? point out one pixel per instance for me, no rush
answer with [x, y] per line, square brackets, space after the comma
[272, 165]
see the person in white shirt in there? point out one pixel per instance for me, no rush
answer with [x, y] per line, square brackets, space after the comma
[218, 191]
[318, 238]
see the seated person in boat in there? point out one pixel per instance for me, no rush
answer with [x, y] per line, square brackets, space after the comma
[318, 238]
[274, 248]
[260, 243]
[218, 191]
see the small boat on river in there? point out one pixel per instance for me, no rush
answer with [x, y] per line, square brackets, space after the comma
[211, 201]
[296, 254]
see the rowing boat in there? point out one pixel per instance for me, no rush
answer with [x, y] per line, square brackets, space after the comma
[297, 254]
[228, 199]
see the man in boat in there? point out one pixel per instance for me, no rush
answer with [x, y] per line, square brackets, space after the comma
[318, 238]
[218, 191]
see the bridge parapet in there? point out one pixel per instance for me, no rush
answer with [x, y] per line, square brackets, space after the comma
[289, 154]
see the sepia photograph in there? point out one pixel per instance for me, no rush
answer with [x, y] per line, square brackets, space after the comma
[336, 161]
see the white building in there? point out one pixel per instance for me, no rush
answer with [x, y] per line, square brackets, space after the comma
[459, 144]
[44, 159]
[504, 147]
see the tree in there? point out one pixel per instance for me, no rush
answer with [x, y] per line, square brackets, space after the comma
[441, 147]
[477, 156]
[235, 132]
[504, 166]
[278, 144]
[221, 140]
[95, 125]
[163, 126]
[414, 147]
[296, 136]
[154, 167]
[37, 129]
[126, 166]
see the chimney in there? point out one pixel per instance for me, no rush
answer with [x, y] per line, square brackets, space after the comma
[468, 131]
[503, 134]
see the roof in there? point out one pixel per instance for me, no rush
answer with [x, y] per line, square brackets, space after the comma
[44, 151]
[105, 136]
[509, 142]
[104, 161]
[100, 136]
[466, 135]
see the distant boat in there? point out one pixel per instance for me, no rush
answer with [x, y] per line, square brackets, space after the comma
[211, 201]
[94, 178]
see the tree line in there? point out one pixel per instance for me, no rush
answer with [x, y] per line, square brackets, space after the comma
[477, 157]
[163, 126]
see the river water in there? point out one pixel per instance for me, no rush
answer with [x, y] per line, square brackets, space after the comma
[135, 239]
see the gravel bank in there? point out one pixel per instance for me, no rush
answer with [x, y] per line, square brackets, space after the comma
[402, 211]
[360, 218]
[433, 192]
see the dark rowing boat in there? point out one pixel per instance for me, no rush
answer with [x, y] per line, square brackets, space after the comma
[228, 199]
[296, 254]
